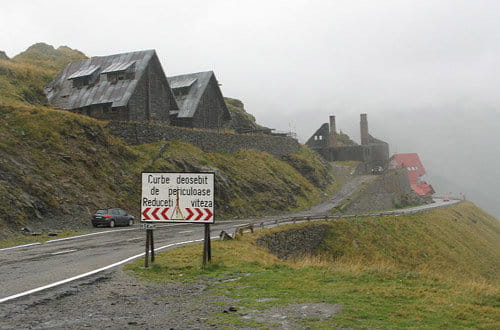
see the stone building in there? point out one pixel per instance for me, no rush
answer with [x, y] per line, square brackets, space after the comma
[372, 152]
[200, 100]
[129, 86]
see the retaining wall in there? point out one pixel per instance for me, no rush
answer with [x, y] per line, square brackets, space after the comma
[388, 191]
[294, 243]
[140, 132]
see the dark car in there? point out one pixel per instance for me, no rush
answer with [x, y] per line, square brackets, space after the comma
[112, 217]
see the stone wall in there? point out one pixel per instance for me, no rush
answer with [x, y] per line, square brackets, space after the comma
[139, 133]
[294, 243]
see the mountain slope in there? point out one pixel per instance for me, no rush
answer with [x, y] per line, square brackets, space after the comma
[57, 167]
[23, 77]
[461, 242]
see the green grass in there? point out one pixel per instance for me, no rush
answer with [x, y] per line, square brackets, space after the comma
[387, 282]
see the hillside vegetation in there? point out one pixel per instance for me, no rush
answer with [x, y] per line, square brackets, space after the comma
[23, 77]
[240, 118]
[430, 270]
[57, 167]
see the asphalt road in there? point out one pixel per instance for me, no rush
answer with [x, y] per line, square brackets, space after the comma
[26, 268]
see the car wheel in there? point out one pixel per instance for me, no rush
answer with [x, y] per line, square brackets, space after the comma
[94, 225]
[130, 222]
[112, 223]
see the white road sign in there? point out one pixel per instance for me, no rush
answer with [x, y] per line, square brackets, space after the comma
[177, 197]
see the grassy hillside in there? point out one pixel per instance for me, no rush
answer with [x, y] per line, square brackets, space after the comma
[438, 269]
[23, 77]
[249, 182]
[462, 242]
[57, 167]
[240, 118]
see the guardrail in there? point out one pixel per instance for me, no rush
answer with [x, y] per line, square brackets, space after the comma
[326, 217]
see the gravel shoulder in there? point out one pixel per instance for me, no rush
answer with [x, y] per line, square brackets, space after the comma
[118, 300]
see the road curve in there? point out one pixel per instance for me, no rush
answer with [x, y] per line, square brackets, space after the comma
[28, 268]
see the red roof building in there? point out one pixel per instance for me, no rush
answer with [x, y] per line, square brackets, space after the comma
[415, 170]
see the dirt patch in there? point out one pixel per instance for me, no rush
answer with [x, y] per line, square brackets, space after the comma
[118, 300]
[287, 317]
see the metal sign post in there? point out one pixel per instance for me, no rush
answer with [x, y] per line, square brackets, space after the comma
[146, 255]
[178, 197]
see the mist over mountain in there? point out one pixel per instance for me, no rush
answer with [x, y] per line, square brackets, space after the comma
[426, 72]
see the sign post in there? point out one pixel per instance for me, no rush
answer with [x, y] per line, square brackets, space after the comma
[150, 248]
[179, 198]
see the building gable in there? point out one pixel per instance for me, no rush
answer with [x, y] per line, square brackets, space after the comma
[320, 138]
[200, 100]
[104, 82]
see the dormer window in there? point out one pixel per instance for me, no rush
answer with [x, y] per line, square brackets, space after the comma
[120, 71]
[180, 91]
[182, 87]
[85, 76]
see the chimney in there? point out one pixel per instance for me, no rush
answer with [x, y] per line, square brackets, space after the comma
[363, 124]
[332, 141]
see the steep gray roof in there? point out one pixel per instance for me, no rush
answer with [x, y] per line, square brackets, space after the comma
[61, 93]
[197, 84]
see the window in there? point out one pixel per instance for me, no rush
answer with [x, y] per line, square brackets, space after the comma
[85, 76]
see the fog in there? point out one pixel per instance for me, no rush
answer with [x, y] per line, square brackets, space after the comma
[426, 72]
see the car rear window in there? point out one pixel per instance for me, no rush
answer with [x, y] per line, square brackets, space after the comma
[101, 212]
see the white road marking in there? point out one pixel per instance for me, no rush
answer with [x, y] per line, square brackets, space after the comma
[62, 252]
[186, 231]
[19, 246]
[51, 285]
[84, 235]
[135, 238]
[91, 234]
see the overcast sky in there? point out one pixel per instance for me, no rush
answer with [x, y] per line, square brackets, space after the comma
[427, 72]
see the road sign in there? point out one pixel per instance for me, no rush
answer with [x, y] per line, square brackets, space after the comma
[177, 197]
[148, 226]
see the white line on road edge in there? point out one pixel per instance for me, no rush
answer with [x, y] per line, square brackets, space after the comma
[97, 233]
[48, 286]
[19, 246]
[78, 236]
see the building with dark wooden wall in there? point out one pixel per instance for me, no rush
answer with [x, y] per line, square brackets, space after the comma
[129, 86]
[200, 100]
